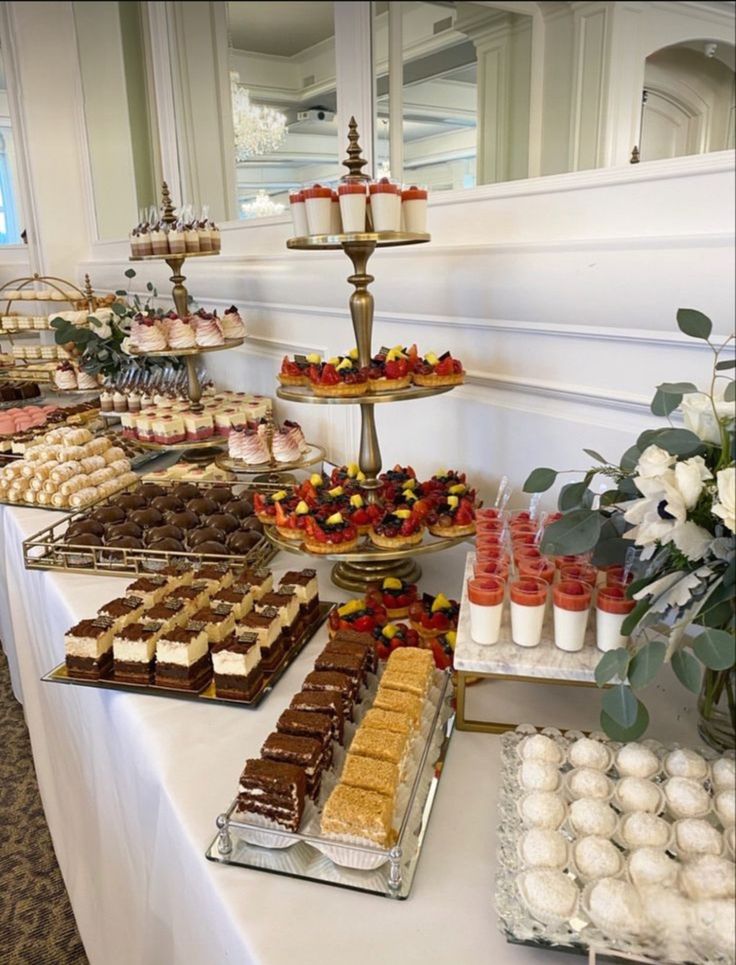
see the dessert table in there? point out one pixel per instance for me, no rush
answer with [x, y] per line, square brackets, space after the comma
[131, 786]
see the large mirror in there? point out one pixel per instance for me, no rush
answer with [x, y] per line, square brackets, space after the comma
[10, 218]
[117, 86]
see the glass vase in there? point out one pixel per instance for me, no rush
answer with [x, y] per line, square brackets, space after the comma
[717, 709]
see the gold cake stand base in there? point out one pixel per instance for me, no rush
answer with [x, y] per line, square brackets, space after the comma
[358, 576]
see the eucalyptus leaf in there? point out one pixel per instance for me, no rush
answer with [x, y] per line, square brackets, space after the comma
[679, 442]
[725, 364]
[615, 663]
[149, 286]
[715, 648]
[540, 480]
[730, 394]
[694, 323]
[621, 705]
[648, 437]
[646, 663]
[576, 532]
[618, 733]
[630, 458]
[627, 489]
[664, 403]
[687, 670]
[679, 388]
[595, 455]
[634, 617]
[611, 552]
[121, 293]
[571, 496]
[609, 498]
[129, 273]
[119, 309]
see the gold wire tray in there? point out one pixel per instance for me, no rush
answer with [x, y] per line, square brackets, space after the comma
[47, 550]
[167, 257]
[313, 455]
[61, 675]
[366, 552]
[302, 393]
[381, 239]
[197, 350]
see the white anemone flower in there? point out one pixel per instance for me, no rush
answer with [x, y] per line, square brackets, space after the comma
[725, 505]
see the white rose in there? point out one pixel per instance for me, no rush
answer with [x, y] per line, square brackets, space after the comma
[725, 506]
[689, 478]
[697, 411]
[654, 462]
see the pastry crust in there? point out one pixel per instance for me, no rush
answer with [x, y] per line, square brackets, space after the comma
[456, 378]
[266, 519]
[450, 532]
[324, 549]
[342, 389]
[388, 385]
[293, 379]
[397, 614]
[424, 632]
[294, 535]
[395, 542]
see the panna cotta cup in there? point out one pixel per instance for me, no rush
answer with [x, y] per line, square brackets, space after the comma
[335, 218]
[498, 568]
[485, 596]
[352, 195]
[488, 525]
[414, 209]
[318, 202]
[488, 512]
[542, 569]
[528, 596]
[618, 576]
[385, 205]
[298, 213]
[526, 552]
[611, 609]
[579, 571]
[561, 561]
[571, 604]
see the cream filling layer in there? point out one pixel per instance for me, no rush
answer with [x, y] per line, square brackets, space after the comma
[182, 654]
[90, 647]
[135, 651]
[237, 664]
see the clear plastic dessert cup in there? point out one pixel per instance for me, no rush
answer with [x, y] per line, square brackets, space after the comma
[617, 576]
[298, 213]
[352, 195]
[485, 595]
[488, 525]
[523, 538]
[486, 513]
[561, 561]
[385, 205]
[527, 552]
[414, 209]
[571, 604]
[492, 568]
[579, 571]
[491, 550]
[318, 202]
[528, 596]
[611, 609]
[542, 568]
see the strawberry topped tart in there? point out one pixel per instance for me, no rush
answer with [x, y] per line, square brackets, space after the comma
[264, 505]
[433, 615]
[452, 516]
[395, 595]
[292, 525]
[333, 535]
[391, 369]
[362, 616]
[435, 371]
[295, 371]
[340, 376]
[398, 528]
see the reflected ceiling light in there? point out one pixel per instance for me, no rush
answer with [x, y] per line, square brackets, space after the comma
[261, 207]
[258, 130]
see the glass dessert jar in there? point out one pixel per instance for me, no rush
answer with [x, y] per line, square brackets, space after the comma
[485, 596]
[579, 571]
[571, 599]
[611, 609]
[542, 569]
[385, 205]
[528, 597]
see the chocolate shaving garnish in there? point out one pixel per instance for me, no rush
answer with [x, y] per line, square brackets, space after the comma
[301, 359]
[196, 625]
[445, 355]
[132, 602]
[270, 612]
[222, 609]
[152, 627]
[244, 588]
[247, 636]
[173, 605]
[103, 623]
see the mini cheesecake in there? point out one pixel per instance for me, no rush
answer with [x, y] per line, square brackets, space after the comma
[169, 429]
[134, 650]
[236, 662]
[266, 624]
[183, 658]
[286, 602]
[88, 647]
[304, 583]
[122, 611]
[218, 622]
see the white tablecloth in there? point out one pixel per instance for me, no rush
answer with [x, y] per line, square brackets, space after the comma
[131, 785]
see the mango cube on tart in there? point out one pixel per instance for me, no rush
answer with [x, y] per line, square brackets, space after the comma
[362, 616]
[398, 528]
[332, 535]
[264, 505]
[453, 516]
[434, 615]
[350, 477]
[292, 524]
[435, 370]
[443, 649]
[392, 636]
[395, 595]
[294, 371]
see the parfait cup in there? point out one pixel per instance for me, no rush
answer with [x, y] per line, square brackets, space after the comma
[571, 600]
[542, 568]
[486, 568]
[528, 597]
[579, 571]
[611, 609]
[485, 595]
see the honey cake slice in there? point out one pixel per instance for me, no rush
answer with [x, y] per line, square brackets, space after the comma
[370, 774]
[358, 813]
[410, 683]
[381, 744]
[400, 702]
[390, 720]
[416, 659]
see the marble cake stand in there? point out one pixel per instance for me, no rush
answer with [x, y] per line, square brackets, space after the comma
[543, 664]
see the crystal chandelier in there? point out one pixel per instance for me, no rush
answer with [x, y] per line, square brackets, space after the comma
[261, 207]
[258, 130]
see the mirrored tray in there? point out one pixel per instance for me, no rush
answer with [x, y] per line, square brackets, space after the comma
[394, 876]
[692, 932]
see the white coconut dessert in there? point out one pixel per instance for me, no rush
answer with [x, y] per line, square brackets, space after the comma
[591, 816]
[686, 798]
[542, 848]
[614, 906]
[539, 747]
[539, 776]
[542, 809]
[709, 877]
[635, 760]
[686, 763]
[588, 782]
[725, 805]
[549, 895]
[597, 857]
[652, 866]
[723, 774]
[586, 752]
[694, 836]
[642, 830]
[638, 794]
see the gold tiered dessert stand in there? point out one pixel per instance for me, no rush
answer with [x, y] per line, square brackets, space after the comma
[356, 569]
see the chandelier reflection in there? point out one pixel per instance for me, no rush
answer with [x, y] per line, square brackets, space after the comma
[258, 130]
[261, 207]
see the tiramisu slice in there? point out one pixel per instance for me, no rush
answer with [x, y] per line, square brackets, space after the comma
[261, 581]
[134, 649]
[122, 611]
[323, 702]
[167, 614]
[267, 626]
[218, 622]
[216, 575]
[236, 662]
[241, 603]
[287, 604]
[305, 584]
[275, 791]
[305, 752]
[192, 597]
[177, 574]
[358, 813]
[150, 589]
[301, 723]
[183, 658]
[88, 647]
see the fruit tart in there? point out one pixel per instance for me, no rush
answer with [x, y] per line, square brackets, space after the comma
[391, 369]
[295, 371]
[443, 370]
[264, 505]
[338, 377]
[332, 535]
[362, 514]
[446, 482]
[310, 489]
[397, 528]
[331, 500]
[443, 649]
[433, 615]
[453, 516]
[359, 615]
[395, 480]
[348, 476]
[395, 595]
[394, 635]
[291, 525]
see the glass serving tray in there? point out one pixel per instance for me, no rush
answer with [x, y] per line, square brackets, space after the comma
[60, 674]
[393, 878]
[578, 935]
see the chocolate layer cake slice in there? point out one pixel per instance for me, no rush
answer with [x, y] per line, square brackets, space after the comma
[305, 752]
[306, 587]
[348, 663]
[365, 640]
[331, 681]
[367, 654]
[267, 626]
[122, 611]
[134, 650]
[88, 647]
[323, 702]
[301, 723]
[236, 662]
[183, 658]
[273, 790]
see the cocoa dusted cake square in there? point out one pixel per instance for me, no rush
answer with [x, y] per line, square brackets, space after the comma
[353, 665]
[274, 790]
[358, 639]
[218, 621]
[266, 624]
[183, 658]
[88, 648]
[168, 613]
[122, 611]
[287, 606]
[134, 651]
[367, 653]
[150, 589]
[236, 663]
[238, 602]
[305, 584]
[261, 581]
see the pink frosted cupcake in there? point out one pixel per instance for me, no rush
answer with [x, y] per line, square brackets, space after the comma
[232, 323]
[147, 334]
[285, 446]
[209, 330]
[180, 332]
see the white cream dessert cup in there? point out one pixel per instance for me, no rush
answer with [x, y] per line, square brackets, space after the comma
[528, 602]
[298, 213]
[611, 609]
[414, 209]
[385, 205]
[485, 600]
[571, 606]
[352, 196]
[318, 204]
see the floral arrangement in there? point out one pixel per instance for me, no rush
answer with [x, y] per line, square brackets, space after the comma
[669, 516]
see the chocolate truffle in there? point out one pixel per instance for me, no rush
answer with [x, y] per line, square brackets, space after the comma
[242, 542]
[151, 490]
[220, 494]
[202, 506]
[109, 514]
[164, 532]
[252, 523]
[167, 504]
[85, 539]
[86, 526]
[185, 491]
[224, 521]
[211, 547]
[239, 508]
[125, 542]
[124, 529]
[167, 545]
[197, 536]
[147, 517]
[184, 520]
[130, 501]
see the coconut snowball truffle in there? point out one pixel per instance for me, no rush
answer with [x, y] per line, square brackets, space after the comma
[539, 776]
[587, 782]
[725, 804]
[723, 772]
[541, 848]
[729, 836]
[615, 908]
[637, 794]
[694, 836]
[652, 866]
[549, 895]
[714, 927]
[596, 857]
[590, 816]
[669, 918]
[642, 830]
[539, 747]
[686, 763]
[709, 877]
[587, 752]
[543, 809]
[686, 798]
[635, 760]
